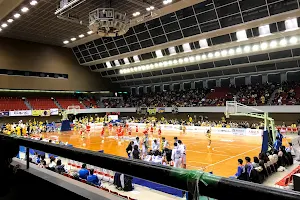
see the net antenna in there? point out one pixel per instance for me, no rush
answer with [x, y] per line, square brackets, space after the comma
[233, 108]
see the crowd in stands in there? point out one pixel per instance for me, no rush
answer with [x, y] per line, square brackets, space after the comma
[287, 94]
[265, 164]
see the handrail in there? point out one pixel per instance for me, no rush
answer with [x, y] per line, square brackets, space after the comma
[193, 181]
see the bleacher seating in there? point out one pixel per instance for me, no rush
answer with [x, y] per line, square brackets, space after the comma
[12, 103]
[42, 103]
[69, 101]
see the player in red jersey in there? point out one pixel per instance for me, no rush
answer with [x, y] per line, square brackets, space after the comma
[88, 128]
[129, 131]
[102, 131]
[151, 129]
[136, 129]
[159, 131]
[146, 131]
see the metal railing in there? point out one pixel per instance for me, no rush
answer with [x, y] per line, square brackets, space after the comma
[196, 183]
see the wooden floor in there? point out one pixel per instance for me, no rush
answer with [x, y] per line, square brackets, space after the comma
[221, 158]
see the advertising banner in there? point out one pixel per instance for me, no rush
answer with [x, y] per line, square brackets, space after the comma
[161, 110]
[54, 111]
[41, 113]
[151, 111]
[17, 113]
[4, 114]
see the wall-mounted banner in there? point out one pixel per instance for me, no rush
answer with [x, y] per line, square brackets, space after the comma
[151, 111]
[161, 110]
[17, 113]
[54, 111]
[4, 114]
[41, 113]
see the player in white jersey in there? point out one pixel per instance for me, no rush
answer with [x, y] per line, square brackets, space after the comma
[176, 156]
[155, 145]
[182, 148]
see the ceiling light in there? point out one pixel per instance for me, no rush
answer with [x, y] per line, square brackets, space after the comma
[160, 64]
[204, 57]
[24, 9]
[17, 15]
[10, 20]
[147, 67]
[203, 43]
[151, 7]
[180, 60]
[108, 64]
[291, 24]
[224, 52]
[152, 66]
[66, 42]
[139, 68]
[81, 36]
[186, 59]
[283, 42]
[0, 29]
[159, 54]
[264, 46]
[89, 32]
[121, 71]
[231, 51]
[241, 35]
[148, 9]
[198, 57]
[135, 69]
[247, 48]
[170, 62]
[131, 69]
[217, 54]
[4, 25]
[264, 30]
[210, 55]
[238, 50]
[156, 65]
[192, 58]
[172, 51]
[73, 39]
[143, 67]
[175, 62]
[165, 63]
[126, 61]
[33, 3]
[255, 47]
[136, 59]
[165, 2]
[117, 63]
[273, 44]
[186, 47]
[293, 40]
[136, 14]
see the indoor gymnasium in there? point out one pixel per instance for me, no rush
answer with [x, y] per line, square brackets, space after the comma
[150, 99]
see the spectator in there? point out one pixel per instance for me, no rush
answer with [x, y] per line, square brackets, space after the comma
[136, 152]
[255, 162]
[60, 168]
[129, 148]
[83, 172]
[42, 164]
[241, 172]
[277, 143]
[248, 166]
[52, 163]
[93, 179]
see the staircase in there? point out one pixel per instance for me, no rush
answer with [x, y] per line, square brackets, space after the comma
[57, 104]
[26, 102]
[270, 101]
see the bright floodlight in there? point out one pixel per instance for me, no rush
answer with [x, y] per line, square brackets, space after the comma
[165, 63]
[172, 51]
[186, 59]
[4, 25]
[180, 60]
[73, 39]
[231, 51]
[217, 54]
[121, 71]
[186, 47]
[24, 9]
[273, 44]
[293, 40]
[192, 58]
[283, 42]
[291, 24]
[108, 64]
[156, 65]
[33, 3]
[204, 57]
[126, 61]
[198, 57]
[203, 43]
[238, 50]
[224, 52]
[136, 59]
[66, 42]
[117, 63]
[264, 30]
[175, 62]
[247, 48]
[210, 55]
[170, 62]
[81, 36]
[160, 64]
[10, 20]
[89, 32]
[0, 29]
[17, 15]
[241, 35]
[255, 47]
[264, 46]
[159, 54]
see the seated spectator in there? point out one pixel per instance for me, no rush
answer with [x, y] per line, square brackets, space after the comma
[248, 165]
[275, 156]
[42, 164]
[93, 179]
[255, 162]
[60, 168]
[52, 163]
[83, 172]
[241, 171]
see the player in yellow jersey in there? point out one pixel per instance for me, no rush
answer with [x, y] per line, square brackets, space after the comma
[183, 129]
[208, 135]
[18, 130]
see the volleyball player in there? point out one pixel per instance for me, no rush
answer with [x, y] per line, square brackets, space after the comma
[182, 147]
[136, 129]
[159, 131]
[129, 131]
[208, 135]
[176, 156]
